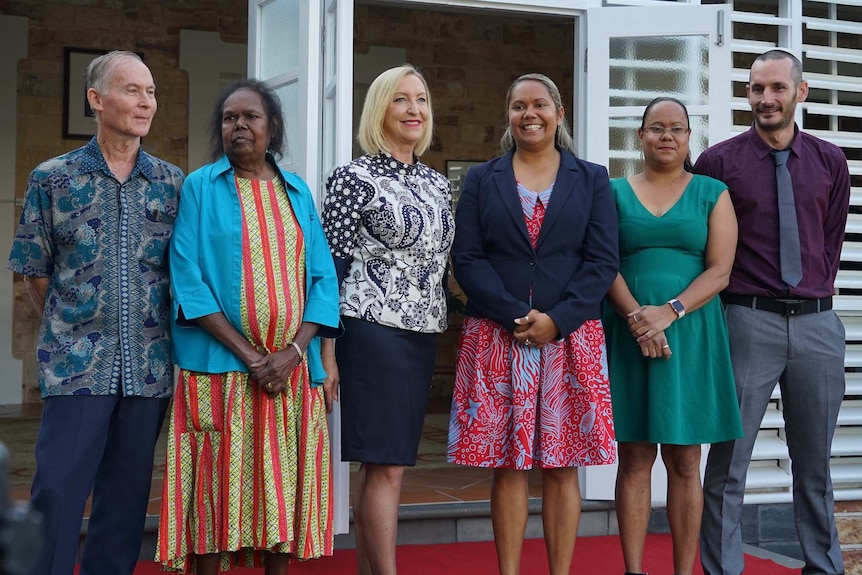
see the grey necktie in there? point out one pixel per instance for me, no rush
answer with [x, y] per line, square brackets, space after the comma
[788, 227]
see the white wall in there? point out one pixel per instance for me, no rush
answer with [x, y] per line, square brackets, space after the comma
[13, 30]
[211, 65]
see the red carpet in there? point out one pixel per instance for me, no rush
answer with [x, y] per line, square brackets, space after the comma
[593, 556]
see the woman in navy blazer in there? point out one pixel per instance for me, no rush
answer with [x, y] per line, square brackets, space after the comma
[535, 252]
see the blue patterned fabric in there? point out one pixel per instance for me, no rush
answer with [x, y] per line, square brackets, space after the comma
[528, 199]
[103, 245]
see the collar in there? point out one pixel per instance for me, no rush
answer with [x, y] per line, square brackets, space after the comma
[94, 161]
[392, 162]
[223, 166]
[763, 149]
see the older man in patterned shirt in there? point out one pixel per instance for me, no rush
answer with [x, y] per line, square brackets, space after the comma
[92, 245]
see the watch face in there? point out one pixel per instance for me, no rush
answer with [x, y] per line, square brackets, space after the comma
[677, 306]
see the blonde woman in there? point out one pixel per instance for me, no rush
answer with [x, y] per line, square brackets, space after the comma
[388, 220]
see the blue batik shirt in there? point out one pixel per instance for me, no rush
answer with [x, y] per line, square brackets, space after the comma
[103, 245]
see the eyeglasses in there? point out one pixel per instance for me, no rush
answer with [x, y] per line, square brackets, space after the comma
[674, 131]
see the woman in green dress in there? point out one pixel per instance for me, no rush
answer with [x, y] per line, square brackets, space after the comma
[669, 357]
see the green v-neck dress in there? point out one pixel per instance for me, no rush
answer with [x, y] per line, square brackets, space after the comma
[689, 398]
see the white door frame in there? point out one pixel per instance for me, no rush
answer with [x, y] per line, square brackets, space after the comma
[335, 149]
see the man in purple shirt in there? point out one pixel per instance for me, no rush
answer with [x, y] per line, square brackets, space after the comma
[780, 332]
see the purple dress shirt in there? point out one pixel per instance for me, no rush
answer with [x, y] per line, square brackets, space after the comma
[821, 185]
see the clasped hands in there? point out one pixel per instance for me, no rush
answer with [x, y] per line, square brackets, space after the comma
[647, 324]
[272, 370]
[536, 329]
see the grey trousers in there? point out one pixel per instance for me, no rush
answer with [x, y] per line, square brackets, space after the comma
[805, 355]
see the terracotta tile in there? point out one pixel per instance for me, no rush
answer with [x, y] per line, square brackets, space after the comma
[849, 529]
[19, 491]
[853, 562]
[848, 507]
[21, 411]
[154, 507]
[426, 496]
[463, 474]
[474, 493]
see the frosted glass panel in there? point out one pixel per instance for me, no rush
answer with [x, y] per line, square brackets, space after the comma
[642, 68]
[289, 96]
[625, 157]
[279, 22]
[699, 140]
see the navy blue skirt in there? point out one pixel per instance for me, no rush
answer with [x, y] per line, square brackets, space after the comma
[386, 376]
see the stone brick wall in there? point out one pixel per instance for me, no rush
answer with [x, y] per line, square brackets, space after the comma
[150, 28]
[469, 61]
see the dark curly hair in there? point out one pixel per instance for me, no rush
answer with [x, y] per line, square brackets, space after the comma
[272, 105]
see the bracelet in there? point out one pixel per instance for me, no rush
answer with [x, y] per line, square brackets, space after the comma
[299, 352]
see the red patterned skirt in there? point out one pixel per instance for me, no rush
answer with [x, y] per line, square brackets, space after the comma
[516, 406]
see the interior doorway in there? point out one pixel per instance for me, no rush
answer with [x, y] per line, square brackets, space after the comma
[469, 58]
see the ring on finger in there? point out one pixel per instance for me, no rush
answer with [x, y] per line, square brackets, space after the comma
[665, 346]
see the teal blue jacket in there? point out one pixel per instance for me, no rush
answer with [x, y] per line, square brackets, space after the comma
[206, 267]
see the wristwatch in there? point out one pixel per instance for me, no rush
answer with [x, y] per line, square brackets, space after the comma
[677, 306]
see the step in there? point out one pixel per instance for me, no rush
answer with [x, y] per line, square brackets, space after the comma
[471, 521]
[449, 523]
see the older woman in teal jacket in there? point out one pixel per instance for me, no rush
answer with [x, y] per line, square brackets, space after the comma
[210, 285]
[248, 473]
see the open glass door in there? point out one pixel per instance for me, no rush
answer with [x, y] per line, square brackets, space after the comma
[284, 51]
[634, 55]
[295, 46]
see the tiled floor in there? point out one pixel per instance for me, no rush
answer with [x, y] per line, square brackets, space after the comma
[454, 484]
[440, 484]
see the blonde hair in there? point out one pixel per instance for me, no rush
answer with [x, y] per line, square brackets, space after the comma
[563, 137]
[370, 136]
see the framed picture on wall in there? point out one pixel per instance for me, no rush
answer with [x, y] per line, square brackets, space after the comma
[79, 120]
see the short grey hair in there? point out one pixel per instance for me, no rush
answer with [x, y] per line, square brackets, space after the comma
[100, 69]
[795, 67]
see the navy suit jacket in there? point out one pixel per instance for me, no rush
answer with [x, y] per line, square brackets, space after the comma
[574, 263]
